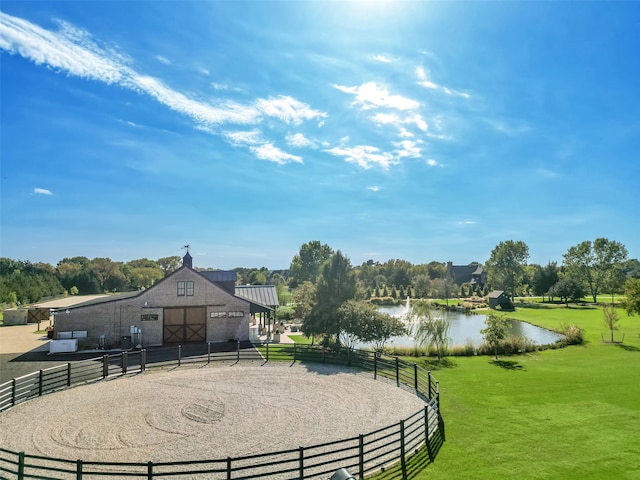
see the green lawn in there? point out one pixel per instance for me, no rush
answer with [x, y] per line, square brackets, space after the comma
[570, 413]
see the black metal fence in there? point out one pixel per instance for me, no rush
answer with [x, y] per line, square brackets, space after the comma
[418, 437]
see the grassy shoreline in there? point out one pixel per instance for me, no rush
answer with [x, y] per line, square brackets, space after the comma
[568, 413]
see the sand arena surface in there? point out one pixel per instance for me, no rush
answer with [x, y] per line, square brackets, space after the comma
[206, 412]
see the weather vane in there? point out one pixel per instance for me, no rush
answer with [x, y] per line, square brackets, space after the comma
[186, 247]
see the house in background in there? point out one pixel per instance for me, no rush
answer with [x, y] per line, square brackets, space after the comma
[186, 306]
[473, 274]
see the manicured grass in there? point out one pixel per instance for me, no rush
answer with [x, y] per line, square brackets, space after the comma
[301, 339]
[570, 413]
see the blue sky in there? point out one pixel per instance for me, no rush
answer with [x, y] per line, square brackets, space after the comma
[414, 130]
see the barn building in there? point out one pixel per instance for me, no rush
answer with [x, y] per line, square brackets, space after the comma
[186, 306]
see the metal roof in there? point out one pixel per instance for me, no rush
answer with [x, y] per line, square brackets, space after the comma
[262, 294]
[220, 275]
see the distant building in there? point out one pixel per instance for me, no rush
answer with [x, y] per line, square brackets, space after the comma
[186, 306]
[467, 274]
[498, 298]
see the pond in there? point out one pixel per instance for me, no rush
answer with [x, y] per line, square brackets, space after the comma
[466, 329]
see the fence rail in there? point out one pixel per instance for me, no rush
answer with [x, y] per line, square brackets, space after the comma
[421, 434]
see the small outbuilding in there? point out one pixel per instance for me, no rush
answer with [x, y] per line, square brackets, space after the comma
[498, 298]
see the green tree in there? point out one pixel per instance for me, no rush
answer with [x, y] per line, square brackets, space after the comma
[506, 265]
[596, 264]
[422, 285]
[632, 296]
[495, 331]
[431, 327]
[169, 264]
[568, 289]
[336, 284]
[445, 288]
[544, 278]
[611, 318]
[304, 297]
[305, 266]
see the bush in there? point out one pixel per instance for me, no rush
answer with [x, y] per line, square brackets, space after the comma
[285, 314]
[466, 350]
[573, 334]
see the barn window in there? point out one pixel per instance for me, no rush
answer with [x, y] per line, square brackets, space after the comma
[218, 314]
[236, 314]
[185, 288]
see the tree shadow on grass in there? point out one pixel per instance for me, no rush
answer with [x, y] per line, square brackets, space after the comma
[628, 348]
[435, 364]
[507, 364]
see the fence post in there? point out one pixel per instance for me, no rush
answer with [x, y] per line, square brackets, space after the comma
[78, 469]
[295, 352]
[348, 356]
[69, 374]
[415, 376]
[397, 371]
[426, 432]
[40, 383]
[13, 391]
[267, 351]
[21, 466]
[403, 462]
[143, 359]
[440, 422]
[124, 362]
[105, 366]
[301, 463]
[179, 355]
[228, 468]
[361, 456]
[149, 470]
[208, 352]
[375, 365]
[429, 388]
[238, 352]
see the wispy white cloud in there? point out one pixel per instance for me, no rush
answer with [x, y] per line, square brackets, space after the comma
[432, 163]
[288, 109]
[399, 121]
[382, 58]
[73, 51]
[269, 152]
[300, 141]
[42, 191]
[423, 78]
[466, 222]
[373, 95]
[162, 59]
[425, 81]
[545, 172]
[364, 156]
[252, 137]
[374, 188]
[261, 148]
[408, 148]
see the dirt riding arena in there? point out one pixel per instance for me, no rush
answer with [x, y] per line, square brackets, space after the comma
[206, 412]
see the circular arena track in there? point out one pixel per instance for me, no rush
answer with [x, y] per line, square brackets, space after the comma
[206, 412]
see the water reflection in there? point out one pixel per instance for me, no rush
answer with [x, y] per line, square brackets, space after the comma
[465, 329]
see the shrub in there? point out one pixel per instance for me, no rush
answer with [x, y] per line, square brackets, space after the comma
[573, 334]
[466, 350]
[285, 314]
